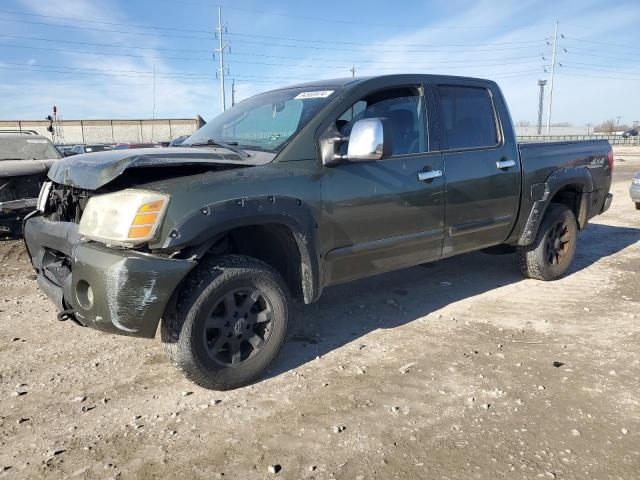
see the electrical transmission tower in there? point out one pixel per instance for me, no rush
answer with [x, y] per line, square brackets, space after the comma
[220, 29]
[553, 74]
[541, 84]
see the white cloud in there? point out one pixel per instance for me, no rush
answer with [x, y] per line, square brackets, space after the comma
[113, 89]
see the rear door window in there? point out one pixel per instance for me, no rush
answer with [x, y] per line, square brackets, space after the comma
[467, 117]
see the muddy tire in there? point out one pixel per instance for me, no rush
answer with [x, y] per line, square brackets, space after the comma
[227, 323]
[553, 249]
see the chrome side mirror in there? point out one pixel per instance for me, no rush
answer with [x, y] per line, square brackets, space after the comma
[369, 140]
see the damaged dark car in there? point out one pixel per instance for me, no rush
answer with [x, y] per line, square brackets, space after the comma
[296, 190]
[25, 158]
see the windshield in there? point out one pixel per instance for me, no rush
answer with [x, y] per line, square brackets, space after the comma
[26, 148]
[264, 122]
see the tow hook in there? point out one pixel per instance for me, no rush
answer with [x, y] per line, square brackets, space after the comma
[66, 315]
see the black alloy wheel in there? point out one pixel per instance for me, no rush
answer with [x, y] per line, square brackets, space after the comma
[557, 243]
[238, 327]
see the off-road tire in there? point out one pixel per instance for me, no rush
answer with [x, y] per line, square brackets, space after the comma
[534, 259]
[637, 205]
[183, 324]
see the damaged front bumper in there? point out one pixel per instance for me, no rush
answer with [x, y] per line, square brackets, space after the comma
[116, 291]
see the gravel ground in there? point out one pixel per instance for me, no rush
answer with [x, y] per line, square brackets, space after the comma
[456, 370]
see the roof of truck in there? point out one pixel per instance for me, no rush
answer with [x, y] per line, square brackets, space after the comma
[344, 81]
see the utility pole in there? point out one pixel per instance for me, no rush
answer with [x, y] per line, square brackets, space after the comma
[618, 120]
[353, 71]
[553, 73]
[541, 84]
[589, 125]
[221, 48]
[233, 92]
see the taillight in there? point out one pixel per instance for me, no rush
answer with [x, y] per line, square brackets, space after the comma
[610, 160]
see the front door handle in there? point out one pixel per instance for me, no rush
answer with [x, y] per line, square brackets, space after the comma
[505, 164]
[430, 175]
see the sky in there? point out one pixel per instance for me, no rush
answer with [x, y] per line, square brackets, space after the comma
[96, 58]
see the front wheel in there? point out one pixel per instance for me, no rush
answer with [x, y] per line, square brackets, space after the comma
[552, 251]
[228, 322]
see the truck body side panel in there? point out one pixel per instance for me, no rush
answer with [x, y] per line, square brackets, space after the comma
[549, 167]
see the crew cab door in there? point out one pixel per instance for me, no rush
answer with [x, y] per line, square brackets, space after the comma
[384, 214]
[481, 164]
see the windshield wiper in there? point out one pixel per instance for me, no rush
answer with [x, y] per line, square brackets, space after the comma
[218, 143]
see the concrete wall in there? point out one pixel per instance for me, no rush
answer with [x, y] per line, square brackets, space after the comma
[533, 130]
[110, 131]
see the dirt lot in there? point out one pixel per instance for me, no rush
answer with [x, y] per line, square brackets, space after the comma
[456, 370]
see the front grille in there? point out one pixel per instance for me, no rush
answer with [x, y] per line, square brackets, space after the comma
[66, 204]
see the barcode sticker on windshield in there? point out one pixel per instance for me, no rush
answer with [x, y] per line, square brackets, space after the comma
[316, 94]
[36, 141]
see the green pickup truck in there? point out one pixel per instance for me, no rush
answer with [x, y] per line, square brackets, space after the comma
[294, 190]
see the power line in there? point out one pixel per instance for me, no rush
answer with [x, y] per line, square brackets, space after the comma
[369, 44]
[372, 24]
[466, 63]
[111, 45]
[359, 50]
[487, 62]
[107, 54]
[631, 47]
[103, 69]
[334, 42]
[93, 44]
[86, 20]
[94, 29]
[571, 74]
[65, 70]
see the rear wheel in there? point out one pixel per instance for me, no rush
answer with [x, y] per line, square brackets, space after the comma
[228, 323]
[554, 247]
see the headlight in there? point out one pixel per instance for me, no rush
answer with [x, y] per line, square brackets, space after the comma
[128, 217]
[44, 196]
[636, 181]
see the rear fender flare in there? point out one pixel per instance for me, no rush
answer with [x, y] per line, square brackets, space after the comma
[543, 193]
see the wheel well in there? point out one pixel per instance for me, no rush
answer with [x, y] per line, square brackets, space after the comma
[573, 197]
[274, 244]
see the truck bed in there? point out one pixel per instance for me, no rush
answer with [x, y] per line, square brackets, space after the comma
[540, 159]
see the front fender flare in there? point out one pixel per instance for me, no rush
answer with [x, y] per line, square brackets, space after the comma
[212, 220]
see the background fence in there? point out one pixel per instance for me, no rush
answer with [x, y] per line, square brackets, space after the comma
[613, 139]
[110, 131]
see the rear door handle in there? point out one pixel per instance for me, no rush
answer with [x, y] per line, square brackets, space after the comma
[430, 175]
[505, 164]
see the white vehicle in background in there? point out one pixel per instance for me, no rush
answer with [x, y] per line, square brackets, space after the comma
[634, 190]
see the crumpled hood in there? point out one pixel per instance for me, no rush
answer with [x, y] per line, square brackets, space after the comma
[94, 170]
